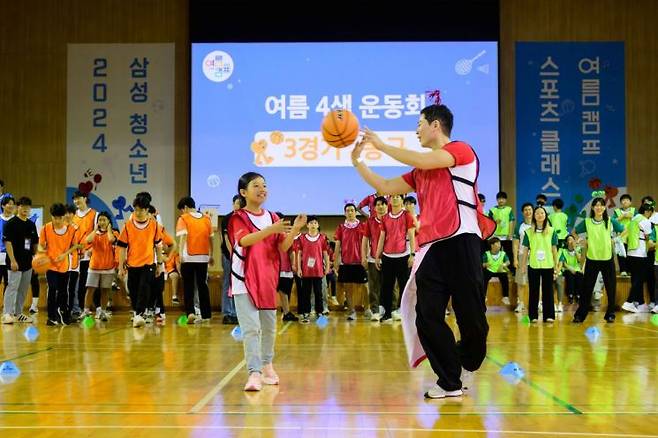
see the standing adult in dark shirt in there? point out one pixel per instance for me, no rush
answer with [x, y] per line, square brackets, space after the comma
[228, 307]
[21, 240]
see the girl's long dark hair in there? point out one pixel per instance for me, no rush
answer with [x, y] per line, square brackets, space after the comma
[534, 221]
[605, 212]
[243, 182]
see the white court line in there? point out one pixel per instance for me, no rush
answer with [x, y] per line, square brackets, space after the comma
[213, 392]
[284, 328]
[345, 429]
[641, 328]
[222, 383]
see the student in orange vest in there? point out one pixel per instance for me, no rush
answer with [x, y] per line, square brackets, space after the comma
[194, 231]
[85, 219]
[138, 241]
[101, 265]
[57, 242]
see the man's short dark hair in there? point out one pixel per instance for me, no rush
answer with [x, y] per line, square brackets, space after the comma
[381, 199]
[58, 210]
[500, 195]
[141, 202]
[494, 240]
[312, 218]
[349, 204]
[558, 203]
[80, 194]
[186, 201]
[541, 196]
[410, 199]
[145, 194]
[442, 114]
[71, 208]
[626, 196]
[24, 200]
[6, 200]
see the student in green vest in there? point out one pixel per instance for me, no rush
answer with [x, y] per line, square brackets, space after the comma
[504, 217]
[570, 265]
[652, 245]
[639, 230]
[495, 263]
[559, 221]
[521, 278]
[623, 215]
[598, 228]
[541, 241]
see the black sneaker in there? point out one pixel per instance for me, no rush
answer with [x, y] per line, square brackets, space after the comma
[577, 320]
[610, 318]
[290, 317]
[228, 319]
[570, 299]
[51, 322]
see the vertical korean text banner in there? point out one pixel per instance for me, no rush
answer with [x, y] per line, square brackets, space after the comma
[570, 121]
[120, 125]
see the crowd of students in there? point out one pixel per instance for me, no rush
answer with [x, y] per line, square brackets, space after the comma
[539, 251]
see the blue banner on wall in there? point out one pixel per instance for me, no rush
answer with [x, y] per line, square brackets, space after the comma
[570, 122]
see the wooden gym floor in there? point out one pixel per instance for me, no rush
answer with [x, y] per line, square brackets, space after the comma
[348, 379]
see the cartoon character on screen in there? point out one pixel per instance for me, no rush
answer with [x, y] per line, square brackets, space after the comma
[259, 148]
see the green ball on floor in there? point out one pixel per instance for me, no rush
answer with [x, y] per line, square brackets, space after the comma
[525, 319]
[182, 320]
[88, 321]
[654, 319]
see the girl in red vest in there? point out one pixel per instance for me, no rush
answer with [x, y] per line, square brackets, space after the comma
[257, 236]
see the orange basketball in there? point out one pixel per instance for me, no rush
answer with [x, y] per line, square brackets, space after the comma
[340, 128]
[41, 263]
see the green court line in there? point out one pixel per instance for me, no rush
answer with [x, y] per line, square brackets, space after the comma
[541, 390]
[32, 353]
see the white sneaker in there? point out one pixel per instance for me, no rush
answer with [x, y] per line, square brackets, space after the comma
[375, 317]
[396, 315]
[24, 318]
[192, 318]
[629, 307]
[138, 321]
[506, 301]
[352, 316]
[382, 310]
[642, 308]
[437, 392]
[467, 379]
[367, 314]
[333, 301]
[560, 308]
[624, 274]
[99, 312]
[655, 309]
[519, 307]
[8, 319]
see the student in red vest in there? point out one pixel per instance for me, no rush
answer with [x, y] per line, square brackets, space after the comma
[257, 237]
[373, 230]
[452, 226]
[349, 239]
[394, 255]
[312, 263]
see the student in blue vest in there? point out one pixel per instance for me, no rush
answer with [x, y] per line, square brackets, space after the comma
[598, 228]
[495, 263]
[504, 217]
[639, 230]
[541, 241]
[623, 215]
[570, 267]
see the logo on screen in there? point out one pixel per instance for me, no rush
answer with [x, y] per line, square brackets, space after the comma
[218, 66]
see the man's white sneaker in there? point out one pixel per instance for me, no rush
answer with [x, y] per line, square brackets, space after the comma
[467, 379]
[367, 314]
[642, 308]
[629, 307]
[8, 319]
[655, 309]
[519, 308]
[138, 321]
[24, 318]
[506, 301]
[560, 308]
[352, 316]
[436, 392]
[396, 315]
[375, 317]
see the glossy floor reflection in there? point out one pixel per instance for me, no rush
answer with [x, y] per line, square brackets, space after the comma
[348, 379]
